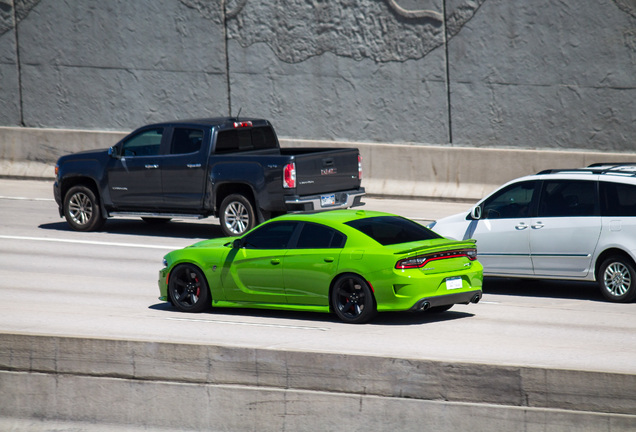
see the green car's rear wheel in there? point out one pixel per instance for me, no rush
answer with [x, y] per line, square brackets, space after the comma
[188, 289]
[352, 299]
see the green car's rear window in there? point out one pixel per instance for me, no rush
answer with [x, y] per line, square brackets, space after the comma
[389, 230]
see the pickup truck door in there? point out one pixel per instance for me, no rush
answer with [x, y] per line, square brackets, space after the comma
[134, 178]
[183, 168]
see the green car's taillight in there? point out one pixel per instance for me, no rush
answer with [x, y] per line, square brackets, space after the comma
[420, 261]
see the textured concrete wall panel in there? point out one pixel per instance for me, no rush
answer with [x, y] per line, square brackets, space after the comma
[9, 77]
[119, 64]
[340, 98]
[545, 74]
[118, 99]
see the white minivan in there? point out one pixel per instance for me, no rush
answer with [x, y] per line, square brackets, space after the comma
[577, 224]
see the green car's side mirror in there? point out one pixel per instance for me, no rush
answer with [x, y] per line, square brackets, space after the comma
[237, 244]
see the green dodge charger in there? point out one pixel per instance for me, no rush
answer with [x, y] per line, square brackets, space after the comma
[352, 263]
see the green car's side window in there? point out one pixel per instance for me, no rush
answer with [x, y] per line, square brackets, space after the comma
[275, 235]
[315, 236]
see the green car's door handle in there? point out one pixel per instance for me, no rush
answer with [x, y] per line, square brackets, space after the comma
[275, 261]
[328, 259]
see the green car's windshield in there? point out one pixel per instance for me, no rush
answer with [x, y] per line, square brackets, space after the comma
[390, 230]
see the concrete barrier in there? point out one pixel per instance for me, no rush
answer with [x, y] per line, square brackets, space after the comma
[400, 170]
[90, 383]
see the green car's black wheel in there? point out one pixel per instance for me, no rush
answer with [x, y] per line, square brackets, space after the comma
[352, 299]
[188, 289]
[617, 279]
[81, 209]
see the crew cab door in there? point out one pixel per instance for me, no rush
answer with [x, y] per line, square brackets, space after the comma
[134, 177]
[183, 168]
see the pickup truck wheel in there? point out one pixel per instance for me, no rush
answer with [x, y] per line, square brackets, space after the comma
[81, 209]
[236, 215]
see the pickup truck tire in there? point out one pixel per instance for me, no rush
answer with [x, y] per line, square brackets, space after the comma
[236, 215]
[81, 209]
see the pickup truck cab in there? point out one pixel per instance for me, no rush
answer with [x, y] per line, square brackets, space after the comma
[223, 167]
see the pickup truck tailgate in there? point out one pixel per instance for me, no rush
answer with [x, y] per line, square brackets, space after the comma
[326, 171]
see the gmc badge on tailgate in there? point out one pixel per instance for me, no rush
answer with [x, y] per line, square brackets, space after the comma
[328, 171]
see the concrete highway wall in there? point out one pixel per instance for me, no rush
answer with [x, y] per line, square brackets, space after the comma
[464, 173]
[123, 385]
[471, 73]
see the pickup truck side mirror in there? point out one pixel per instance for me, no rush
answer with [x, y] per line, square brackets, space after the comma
[114, 152]
[475, 213]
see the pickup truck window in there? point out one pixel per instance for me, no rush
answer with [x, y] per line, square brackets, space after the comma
[146, 143]
[185, 140]
[258, 138]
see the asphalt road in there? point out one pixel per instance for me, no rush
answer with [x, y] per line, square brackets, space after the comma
[55, 281]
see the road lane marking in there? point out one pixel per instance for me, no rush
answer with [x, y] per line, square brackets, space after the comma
[25, 198]
[250, 324]
[88, 242]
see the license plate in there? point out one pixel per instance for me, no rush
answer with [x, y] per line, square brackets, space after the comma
[327, 200]
[453, 283]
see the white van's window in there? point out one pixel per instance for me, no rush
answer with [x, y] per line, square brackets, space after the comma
[618, 199]
[568, 198]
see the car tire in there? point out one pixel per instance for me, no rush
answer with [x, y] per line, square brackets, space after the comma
[352, 299]
[188, 289]
[81, 209]
[236, 215]
[617, 279]
[439, 309]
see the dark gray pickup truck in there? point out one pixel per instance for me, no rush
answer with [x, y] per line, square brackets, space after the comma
[225, 167]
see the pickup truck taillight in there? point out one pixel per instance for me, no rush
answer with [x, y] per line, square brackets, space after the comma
[359, 167]
[289, 176]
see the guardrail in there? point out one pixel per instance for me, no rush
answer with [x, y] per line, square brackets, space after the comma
[205, 387]
[401, 170]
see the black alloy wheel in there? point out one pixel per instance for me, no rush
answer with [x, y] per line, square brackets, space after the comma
[352, 299]
[188, 289]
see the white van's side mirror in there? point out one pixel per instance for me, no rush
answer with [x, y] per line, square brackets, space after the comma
[475, 213]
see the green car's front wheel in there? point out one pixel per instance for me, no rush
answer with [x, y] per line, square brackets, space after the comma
[352, 299]
[188, 289]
